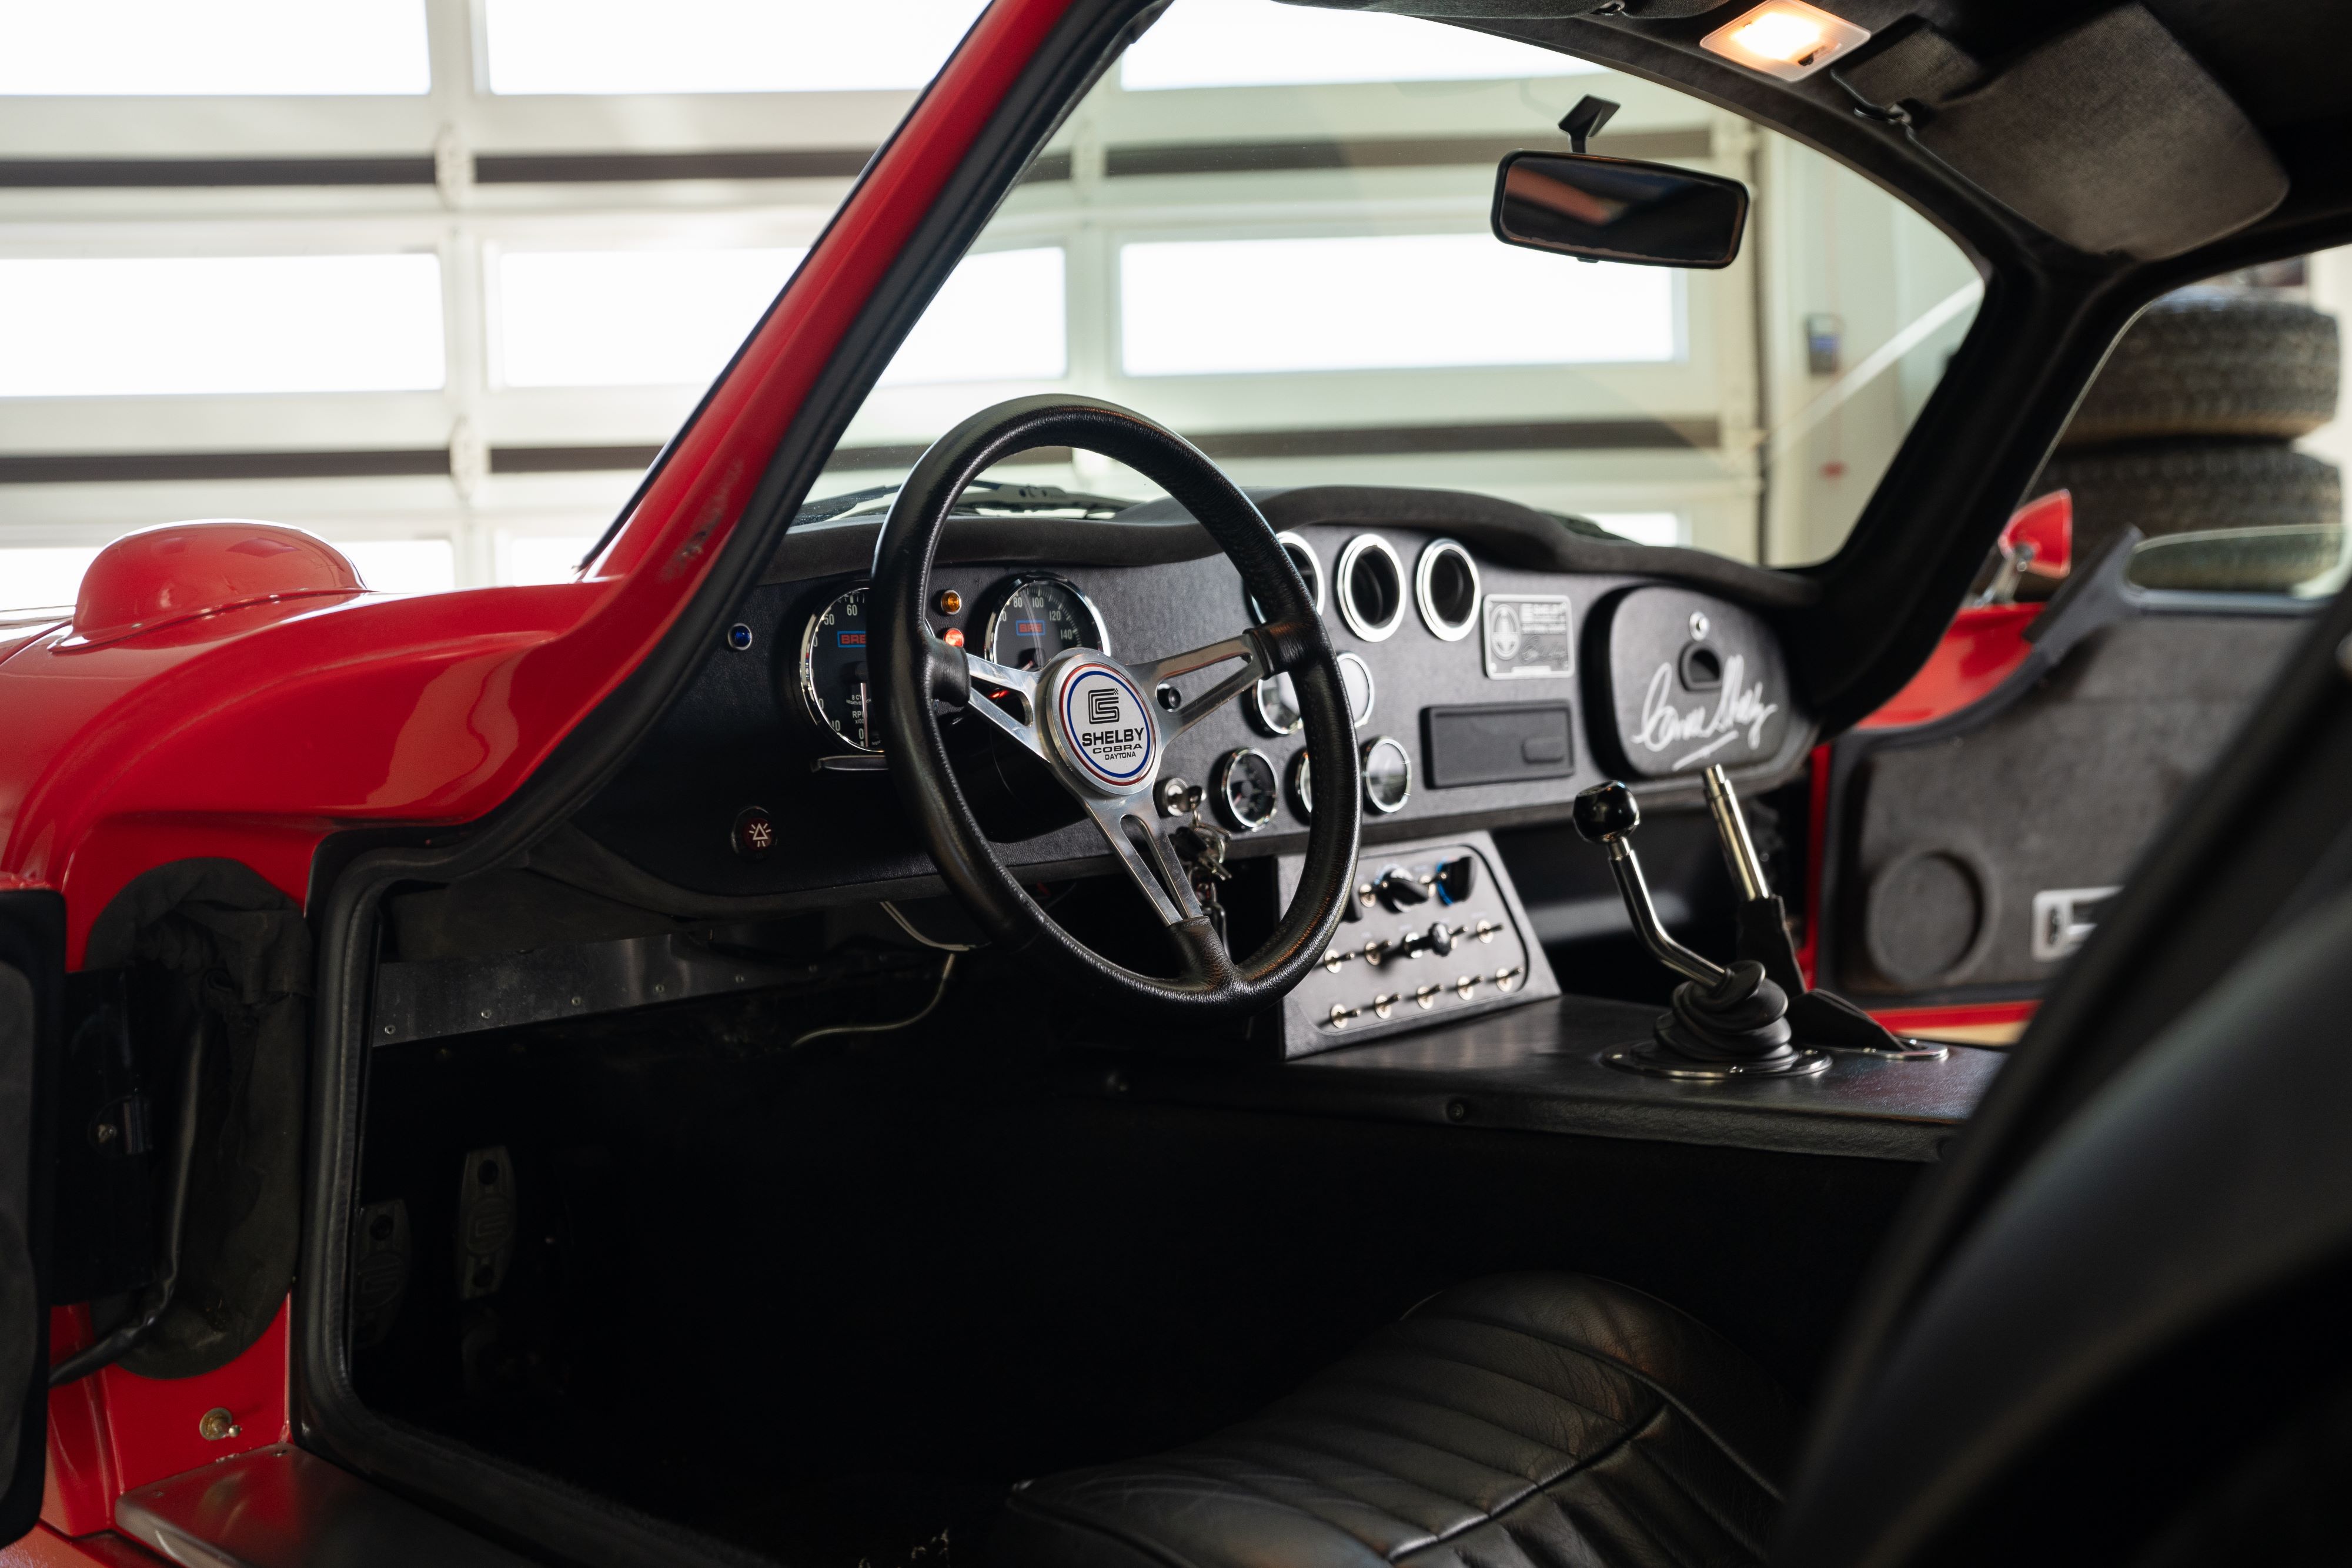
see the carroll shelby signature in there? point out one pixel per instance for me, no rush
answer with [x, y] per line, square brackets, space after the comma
[1741, 704]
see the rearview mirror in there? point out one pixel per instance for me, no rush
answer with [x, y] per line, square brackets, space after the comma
[1616, 209]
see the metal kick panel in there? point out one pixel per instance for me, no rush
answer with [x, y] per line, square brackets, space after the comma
[430, 999]
[1436, 933]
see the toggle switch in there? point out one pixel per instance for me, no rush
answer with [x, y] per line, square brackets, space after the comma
[1438, 939]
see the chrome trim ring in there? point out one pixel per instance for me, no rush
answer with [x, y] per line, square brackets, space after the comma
[1221, 782]
[1301, 785]
[1003, 592]
[1105, 746]
[1311, 570]
[804, 677]
[1253, 705]
[1342, 589]
[1425, 595]
[1373, 801]
[1371, 691]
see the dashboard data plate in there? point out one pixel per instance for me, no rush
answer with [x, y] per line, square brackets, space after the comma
[1529, 635]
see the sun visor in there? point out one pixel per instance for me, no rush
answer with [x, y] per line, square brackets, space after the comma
[2110, 137]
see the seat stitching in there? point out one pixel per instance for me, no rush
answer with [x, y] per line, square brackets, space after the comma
[1418, 1397]
[1382, 1470]
[1568, 1460]
[1543, 1489]
[1696, 1420]
[1674, 1478]
[1404, 1524]
[1431, 1354]
[1633, 1515]
[1405, 1433]
[1539, 1389]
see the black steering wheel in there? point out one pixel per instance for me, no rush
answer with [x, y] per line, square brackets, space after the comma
[1094, 722]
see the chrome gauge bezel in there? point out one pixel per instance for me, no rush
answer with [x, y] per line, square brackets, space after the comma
[1298, 780]
[1254, 706]
[1001, 595]
[1357, 548]
[1424, 597]
[804, 674]
[1220, 779]
[1319, 588]
[1371, 688]
[1364, 772]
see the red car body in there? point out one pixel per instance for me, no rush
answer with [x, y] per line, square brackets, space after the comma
[251, 730]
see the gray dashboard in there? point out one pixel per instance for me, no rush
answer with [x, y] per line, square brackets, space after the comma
[1568, 673]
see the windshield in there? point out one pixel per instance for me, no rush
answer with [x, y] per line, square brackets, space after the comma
[1267, 226]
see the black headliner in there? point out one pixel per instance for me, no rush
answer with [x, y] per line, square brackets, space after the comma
[2050, 311]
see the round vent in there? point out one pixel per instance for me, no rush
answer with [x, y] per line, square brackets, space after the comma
[1311, 571]
[1445, 588]
[1371, 588]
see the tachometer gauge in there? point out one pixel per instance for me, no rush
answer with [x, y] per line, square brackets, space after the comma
[1040, 617]
[836, 676]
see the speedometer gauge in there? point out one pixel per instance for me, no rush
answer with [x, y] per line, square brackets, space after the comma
[1040, 617]
[836, 677]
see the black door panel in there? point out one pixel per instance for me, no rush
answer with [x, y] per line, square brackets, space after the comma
[1968, 856]
[32, 975]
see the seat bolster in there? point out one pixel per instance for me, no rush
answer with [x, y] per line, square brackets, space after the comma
[1526, 1421]
[1715, 1385]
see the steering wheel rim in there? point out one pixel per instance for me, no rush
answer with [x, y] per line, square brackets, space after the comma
[919, 668]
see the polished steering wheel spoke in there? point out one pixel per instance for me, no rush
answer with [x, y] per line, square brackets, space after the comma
[1151, 862]
[1249, 648]
[1127, 823]
[989, 678]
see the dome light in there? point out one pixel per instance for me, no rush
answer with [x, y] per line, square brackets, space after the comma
[1785, 38]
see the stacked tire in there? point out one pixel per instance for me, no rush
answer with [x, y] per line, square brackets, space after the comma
[2189, 429]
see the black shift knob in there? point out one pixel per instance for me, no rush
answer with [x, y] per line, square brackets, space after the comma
[1607, 811]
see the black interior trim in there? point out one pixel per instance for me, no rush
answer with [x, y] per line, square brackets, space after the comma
[506, 1499]
[2234, 864]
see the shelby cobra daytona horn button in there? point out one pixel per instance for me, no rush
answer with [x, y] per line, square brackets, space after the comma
[1105, 728]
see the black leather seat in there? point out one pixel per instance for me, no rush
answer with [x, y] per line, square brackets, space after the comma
[1522, 1421]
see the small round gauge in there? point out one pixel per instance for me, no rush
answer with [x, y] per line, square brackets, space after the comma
[1039, 618]
[1302, 788]
[1388, 774]
[1356, 676]
[1244, 788]
[1273, 705]
[836, 676]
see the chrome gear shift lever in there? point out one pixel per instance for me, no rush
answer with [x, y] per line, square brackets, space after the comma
[1822, 1018]
[1724, 1023]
